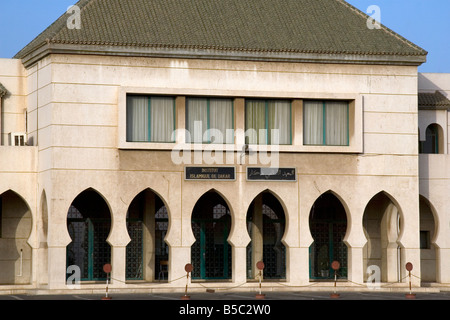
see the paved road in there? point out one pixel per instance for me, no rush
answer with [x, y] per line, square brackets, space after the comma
[237, 296]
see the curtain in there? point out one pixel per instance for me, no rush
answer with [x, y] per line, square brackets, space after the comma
[279, 122]
[197, 120]
[313, 123]
[221, 121]
[162, 119]
[255, 122]
[137, 118]
[336, 123]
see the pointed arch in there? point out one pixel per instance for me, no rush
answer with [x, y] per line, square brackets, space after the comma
[147, 254]
[429, 226]
[89, 225]
[382, 226]
[15, 228]
[328, 222]
[266, 225]
[211, 253]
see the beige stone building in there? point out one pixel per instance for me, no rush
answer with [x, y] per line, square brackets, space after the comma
[153, 134]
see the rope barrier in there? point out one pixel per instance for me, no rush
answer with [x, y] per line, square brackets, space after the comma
[260, 278]
[284, 284]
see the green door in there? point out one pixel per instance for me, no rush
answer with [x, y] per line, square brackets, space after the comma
[89, 249]
[328, 247]
[211, 253]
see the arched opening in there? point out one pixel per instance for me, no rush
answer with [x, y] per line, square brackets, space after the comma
[211, 223]
[89, 224]
[266, 227]
[328, 225]
[15, 229]
[427, 249]
[147, 254]
[382, 225]
[433, 143]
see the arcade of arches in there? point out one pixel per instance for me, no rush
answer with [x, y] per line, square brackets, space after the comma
[89, 224]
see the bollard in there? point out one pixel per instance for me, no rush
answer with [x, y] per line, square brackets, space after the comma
[188, 268]
[107, 269]
[260, 266]
[410, 295]
[335, 266]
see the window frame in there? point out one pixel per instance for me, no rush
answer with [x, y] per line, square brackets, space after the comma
[324, 123]
[208, 120]
[149, 106]
[266, 120]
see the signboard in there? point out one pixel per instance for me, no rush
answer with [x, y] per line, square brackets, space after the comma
[210, 173]
[271, 174]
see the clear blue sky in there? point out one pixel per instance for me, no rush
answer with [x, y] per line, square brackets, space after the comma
[424, 22]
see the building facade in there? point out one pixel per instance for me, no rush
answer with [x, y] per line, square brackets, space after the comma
[150, 148]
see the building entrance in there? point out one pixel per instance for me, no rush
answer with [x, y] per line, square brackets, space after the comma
[328, 225]
[89, 224]
[211, 252]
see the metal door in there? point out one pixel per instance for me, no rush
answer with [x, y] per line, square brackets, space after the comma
[211, 253]
[328, 247]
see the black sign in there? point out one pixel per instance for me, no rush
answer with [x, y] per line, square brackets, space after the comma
[271, 174]
[210, 173]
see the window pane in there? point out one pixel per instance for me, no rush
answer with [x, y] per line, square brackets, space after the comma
[221, 121]
[162, 119]
[336, 123]
[313, 122]
[279, 122]
[137, 118]
[197, 120]
[255, 122]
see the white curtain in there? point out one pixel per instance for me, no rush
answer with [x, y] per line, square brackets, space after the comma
[150, 119]
[279, 122]
[336, 123]
[221, 121]
[255, 122]
[162, 119]
[137, 118]
[313, 122]
[196, 120]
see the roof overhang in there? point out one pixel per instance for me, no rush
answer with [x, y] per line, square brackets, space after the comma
[229, 54]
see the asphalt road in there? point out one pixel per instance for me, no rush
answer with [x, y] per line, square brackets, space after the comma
[237, 296]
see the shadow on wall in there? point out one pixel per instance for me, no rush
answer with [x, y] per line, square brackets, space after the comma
[15, 228]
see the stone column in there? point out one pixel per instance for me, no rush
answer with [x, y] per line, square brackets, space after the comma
[149, 236]
[257, 235]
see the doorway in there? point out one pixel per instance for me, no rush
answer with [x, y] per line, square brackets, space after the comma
[89, 224]
[211, 253]
[328, 225]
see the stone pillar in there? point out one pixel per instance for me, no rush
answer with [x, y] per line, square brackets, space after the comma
[389, 237]
[177, 273]
[355, 265]
[239, 270]
[118, 263]
[410, 240]
[442, 263]
[56, 267]
[257, 235]
[149, 236]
